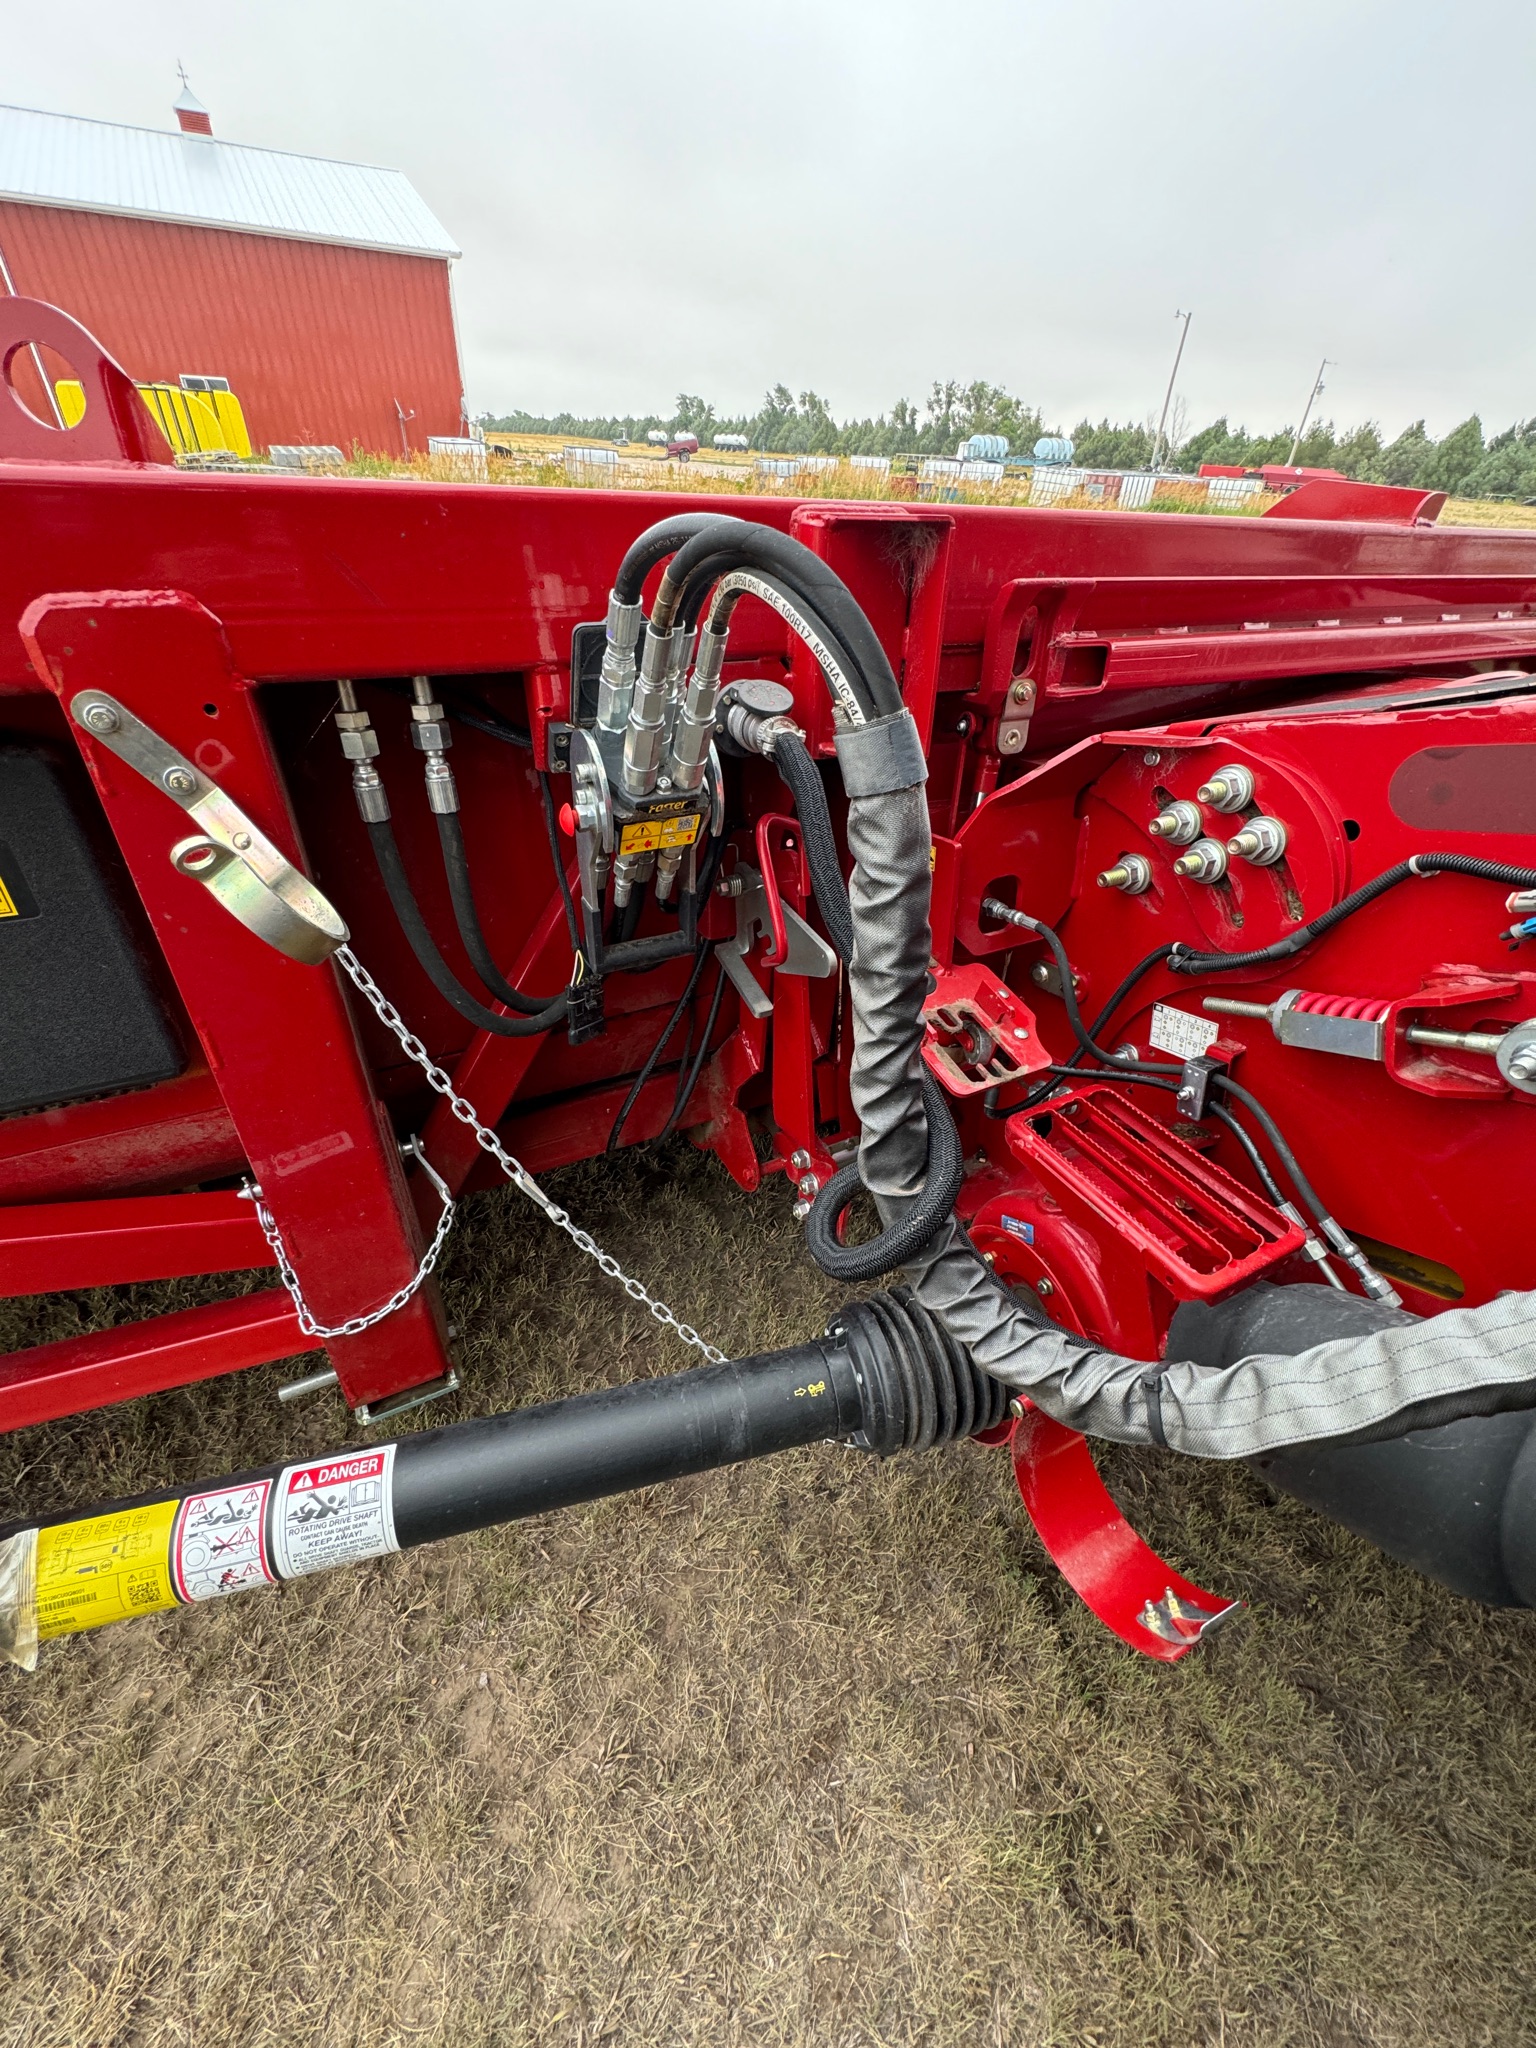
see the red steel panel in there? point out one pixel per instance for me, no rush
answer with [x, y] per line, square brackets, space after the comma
[318, 342]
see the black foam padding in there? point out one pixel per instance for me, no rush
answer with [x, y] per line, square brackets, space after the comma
[79, 1014]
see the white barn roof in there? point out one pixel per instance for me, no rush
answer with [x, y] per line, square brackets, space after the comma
[101, 167]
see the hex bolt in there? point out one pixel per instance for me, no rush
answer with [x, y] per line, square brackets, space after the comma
[180, 781]
[808, 1185]
[800, 1160]
[1179, 824]
[1261, 841]
[1206, 861]
[1131, 875]
[1022, 693]
[1044, 1288]
[1229, 789]
[101, 718]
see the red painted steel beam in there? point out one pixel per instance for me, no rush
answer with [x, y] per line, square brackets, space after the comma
[148, 1139]
[277, 1035]
[46, 1246]
[78, 1373]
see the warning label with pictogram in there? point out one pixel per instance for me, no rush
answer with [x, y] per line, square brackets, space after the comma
[218, 1546]
[333, 1511]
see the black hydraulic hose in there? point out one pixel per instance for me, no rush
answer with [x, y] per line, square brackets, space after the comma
[1418, 866]
[655, 544]
[466, 915]
[928, 1214]
[689, 1080]
[793, 760]
[653, 1056]
[403, 901]
[807, 576]
[557, 855]
[626, 921]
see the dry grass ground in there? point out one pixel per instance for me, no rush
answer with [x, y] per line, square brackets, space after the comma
[810, 1752]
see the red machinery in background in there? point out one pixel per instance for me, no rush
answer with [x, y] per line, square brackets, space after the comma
[1164, 738]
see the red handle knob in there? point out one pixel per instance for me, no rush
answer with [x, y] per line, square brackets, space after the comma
[568, 821]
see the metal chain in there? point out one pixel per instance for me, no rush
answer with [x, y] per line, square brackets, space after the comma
[354, 1325]
[513, 1168]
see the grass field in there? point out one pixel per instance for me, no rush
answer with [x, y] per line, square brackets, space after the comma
[813, 1752]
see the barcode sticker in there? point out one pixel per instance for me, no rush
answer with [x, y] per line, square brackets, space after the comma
[1181, 1032]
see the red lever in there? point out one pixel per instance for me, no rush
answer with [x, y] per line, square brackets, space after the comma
[778, 948]
[568, 821]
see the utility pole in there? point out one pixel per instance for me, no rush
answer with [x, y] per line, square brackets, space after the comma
[1162, 425]
[1311, 401]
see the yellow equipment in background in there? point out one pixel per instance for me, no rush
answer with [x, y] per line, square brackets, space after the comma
[194, 422]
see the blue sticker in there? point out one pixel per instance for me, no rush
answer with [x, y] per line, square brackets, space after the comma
[1017, 1227]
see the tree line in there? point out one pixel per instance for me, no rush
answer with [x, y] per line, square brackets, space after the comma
[1462, 462]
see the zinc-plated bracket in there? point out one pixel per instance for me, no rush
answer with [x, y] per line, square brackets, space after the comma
[809, 954]
[232, 857]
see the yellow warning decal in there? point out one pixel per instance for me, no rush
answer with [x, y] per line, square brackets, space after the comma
[650, 833]
[107, 1568]
[7, 901]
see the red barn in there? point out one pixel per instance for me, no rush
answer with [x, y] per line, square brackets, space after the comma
[320, 290]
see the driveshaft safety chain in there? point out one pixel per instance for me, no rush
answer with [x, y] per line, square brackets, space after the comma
[488, 1141]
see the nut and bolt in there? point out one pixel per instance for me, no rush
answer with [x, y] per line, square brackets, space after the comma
[1229, 789]
[1261, 841]
[800, 1160]
[101, 718]
[1179, 824]
[809, 1186]
[1044, 1288]
[1131, 874]
[1523, 1066]
[180, 781]
[800, 1211]
[1206, 861]
[1022, 693]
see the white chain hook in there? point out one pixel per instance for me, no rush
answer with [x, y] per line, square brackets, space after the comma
[488, 1141]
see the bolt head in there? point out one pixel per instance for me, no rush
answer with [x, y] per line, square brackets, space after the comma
[1011, 739]
[1151, 757]
[101, 718]
[800, 1160]
[809, 1186]
[179, 781]
[800, 1211]
[241, 841]
[1044, 1288]
[1523, 1066]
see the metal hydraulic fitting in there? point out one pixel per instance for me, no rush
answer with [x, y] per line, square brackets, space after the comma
[360, 746]
[430, 736]
[645, 732]
[1229, 789]
[1131, 875]
[1261, 841]
[616, 684]
[755, 714]
[694, 730]
[1206, 861]
[1179, 824]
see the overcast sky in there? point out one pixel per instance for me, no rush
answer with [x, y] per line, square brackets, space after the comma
[859, 196]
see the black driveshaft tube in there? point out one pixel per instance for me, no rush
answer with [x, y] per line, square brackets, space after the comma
[885, 1377]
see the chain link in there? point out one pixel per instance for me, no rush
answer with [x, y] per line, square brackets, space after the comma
[513, 1168]
[354, 1325]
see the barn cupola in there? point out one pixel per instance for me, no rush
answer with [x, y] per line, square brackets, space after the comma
[191, 114]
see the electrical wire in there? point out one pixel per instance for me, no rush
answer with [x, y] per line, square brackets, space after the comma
[687, 1084]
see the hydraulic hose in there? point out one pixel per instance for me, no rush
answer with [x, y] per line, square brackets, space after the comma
[655, 544]
[1418, 866]
[466, 916]
[656, 1051]
[793, 760]
[808, 576]
[899, 1241]
[688, 1080]
[403, 902]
